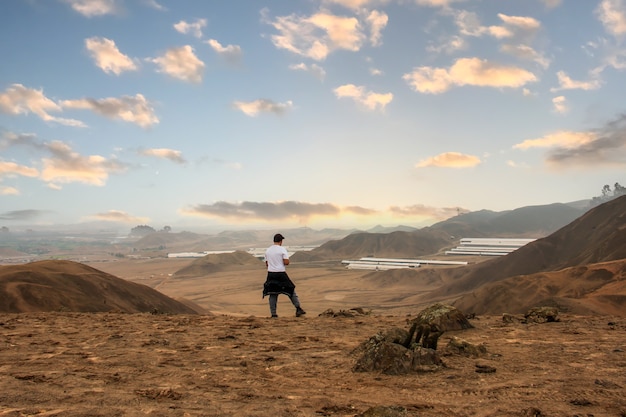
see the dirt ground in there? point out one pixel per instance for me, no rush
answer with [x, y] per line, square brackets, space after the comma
[112, 364]
[238, 362]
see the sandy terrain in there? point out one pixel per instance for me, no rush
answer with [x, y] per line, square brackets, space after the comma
[237, 289]
[107, 364]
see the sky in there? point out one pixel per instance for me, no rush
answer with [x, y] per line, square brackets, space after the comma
[317, 113]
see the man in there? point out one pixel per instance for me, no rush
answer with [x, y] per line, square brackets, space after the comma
[278, 282]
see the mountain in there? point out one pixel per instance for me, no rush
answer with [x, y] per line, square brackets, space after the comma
[585, 259]
[71, 286]
[598, 288]
[528, 222]
[385, 229]
[597, 236]
[168, 242]
[384, 245]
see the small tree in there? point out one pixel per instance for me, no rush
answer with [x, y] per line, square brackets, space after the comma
[608, 195]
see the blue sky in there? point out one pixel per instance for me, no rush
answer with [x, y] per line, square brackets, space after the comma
[327, 113]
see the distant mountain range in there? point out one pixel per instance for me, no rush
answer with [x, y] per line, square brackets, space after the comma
[405, 241]
[528, 222]
[579, 268]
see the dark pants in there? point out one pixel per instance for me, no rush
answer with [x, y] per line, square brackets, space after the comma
[279, 283]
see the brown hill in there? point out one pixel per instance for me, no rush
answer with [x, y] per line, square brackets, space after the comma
[398, 244]
[217, 262]
[597, 236]
[591, 289]
[70, 286]
[581, 262]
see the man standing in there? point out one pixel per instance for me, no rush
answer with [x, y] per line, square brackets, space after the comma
[278, 282]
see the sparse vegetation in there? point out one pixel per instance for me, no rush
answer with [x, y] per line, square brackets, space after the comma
[608, 194]
[142, 230]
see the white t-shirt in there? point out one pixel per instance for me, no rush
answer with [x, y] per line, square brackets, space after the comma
[274, 256]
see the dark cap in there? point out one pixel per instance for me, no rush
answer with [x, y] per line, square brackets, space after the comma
[278, 237]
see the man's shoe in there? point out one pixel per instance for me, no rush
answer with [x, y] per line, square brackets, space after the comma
[300, 312]
[274, 316]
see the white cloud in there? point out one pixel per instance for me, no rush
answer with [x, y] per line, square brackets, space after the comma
[253, 108]
[318, 35]
[421, 210]
[271, 211]
[170, 154]
[181, 63]
[17, 99]
[369, 99]
[128, 108]
[61, 164]
[232, 53]
[595, 149]
[560, 104]
[437, 3]
[566, 83]
[153, 4]
[612, 14]
[314, 69]
[67, 166]
[107, 57]
[118, 216]
[513, 26]
[11, 169]
[562, 139]
[450, 160]
[356, 4]
[523, 23]
[527, 53]
[377, 21]
[194, 28]
[91, 8]
[6, 190]
[467, 71]
[451, 45]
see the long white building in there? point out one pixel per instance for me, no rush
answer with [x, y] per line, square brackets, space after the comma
[383, 264]
[483, 246]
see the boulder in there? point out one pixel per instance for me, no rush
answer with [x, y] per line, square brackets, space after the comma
[382, 355]
[462, 347]
[542, 315]
[432, 322]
